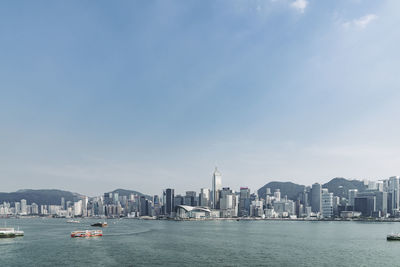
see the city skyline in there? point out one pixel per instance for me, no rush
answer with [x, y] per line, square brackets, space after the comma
[368, 200]
[150, 94]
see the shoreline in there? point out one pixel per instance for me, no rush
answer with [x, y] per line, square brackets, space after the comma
[374, 220]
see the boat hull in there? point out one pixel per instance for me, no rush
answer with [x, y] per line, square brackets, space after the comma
[87, 233]
[9, 235]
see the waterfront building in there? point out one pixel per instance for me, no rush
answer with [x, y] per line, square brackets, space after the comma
[169, 202]
[284, 208]
[256, 208]
[34, 209]
[327, 203]
[204, 197]
[365, 203]
[393, 184]
[24, 210]
[78, 208]
[228, 203]
[144, 206]
[189, 212]
[216, 187]
[244, 201]
[17, 206]
[316, 192]
[157, 205]
[352, 194]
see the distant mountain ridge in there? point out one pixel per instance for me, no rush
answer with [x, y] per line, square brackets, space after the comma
[338, 186]
[289, 189]
[341, 186]
[40, 196]
[53, 196]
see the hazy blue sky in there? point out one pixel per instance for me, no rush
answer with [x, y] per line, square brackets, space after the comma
[145, 95]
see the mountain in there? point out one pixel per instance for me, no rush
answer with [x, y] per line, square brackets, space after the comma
[40, 197]
[289, 189]
[124, 192]
[340, 186]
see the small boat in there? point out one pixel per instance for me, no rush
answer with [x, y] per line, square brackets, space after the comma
[73, 221]
[393, 237]
[87, 233]
[10, 233]
[100, 224]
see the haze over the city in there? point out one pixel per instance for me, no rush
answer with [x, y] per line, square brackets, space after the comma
[147, 95]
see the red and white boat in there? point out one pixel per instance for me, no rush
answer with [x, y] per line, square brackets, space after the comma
[87, 233]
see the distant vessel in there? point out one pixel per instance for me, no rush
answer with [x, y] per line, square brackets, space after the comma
[87, 233]
[393, 237]
[73, 221]
[100, 224]
[10, 233]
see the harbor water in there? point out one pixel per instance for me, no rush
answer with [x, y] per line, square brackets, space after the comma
[129, 242]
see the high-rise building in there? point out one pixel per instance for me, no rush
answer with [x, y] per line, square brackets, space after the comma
[63, 203]
[394, 190]
[34, 208]
[244, 201]
[17, 206]
[316, 197]
[116, 198]
[190, 198]
[143, 210]
[327, 203]
[169, 202]
[365, 203]
[352, 194]
[228, 203]
[268, 191]
[204, 197]
[277, 195]
[78, 208]
[24, 210]
[216, 187]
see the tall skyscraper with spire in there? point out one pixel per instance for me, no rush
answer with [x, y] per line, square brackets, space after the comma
[216, 187]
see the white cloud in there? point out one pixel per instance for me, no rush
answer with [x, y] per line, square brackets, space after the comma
[300, 5]
[360, 22]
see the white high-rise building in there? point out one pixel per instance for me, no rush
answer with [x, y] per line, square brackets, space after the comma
[17, 207]
[24, 210]
[327, 203]
[352, 194]
[78, 208]
[277, 195]
[204, 197]
[216, 187]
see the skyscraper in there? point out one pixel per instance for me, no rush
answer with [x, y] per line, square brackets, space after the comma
[316, 198]
[277, 195]
[244, 201]
[204, 197]
[216, 187]
[169, 201]
[24, 210]
[352, 195]
[394, 191]
[327, 203]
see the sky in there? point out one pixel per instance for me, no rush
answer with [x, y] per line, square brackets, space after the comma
[148, 95]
